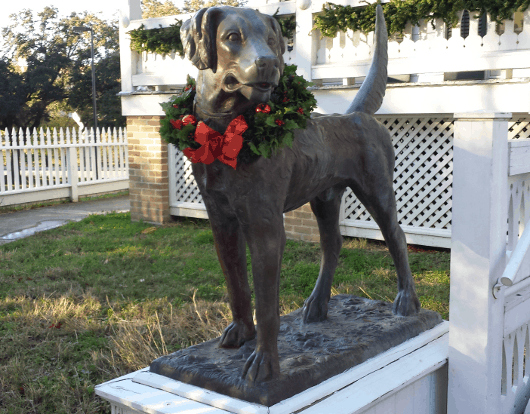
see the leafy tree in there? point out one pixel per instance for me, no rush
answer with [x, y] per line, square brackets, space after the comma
[107, 72]
[107, 88]
[155, 8]
[55, 57]
[191, 6]
[12, 94]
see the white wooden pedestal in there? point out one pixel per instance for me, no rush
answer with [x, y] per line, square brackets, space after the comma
[410, 378]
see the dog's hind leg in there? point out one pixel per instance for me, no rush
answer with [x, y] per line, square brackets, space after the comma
[231, 250]
[380, 201]
[326, 208]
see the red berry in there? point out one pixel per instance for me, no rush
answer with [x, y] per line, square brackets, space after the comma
[189, 119]
[266, 109]
[279, 122]
[177, 123]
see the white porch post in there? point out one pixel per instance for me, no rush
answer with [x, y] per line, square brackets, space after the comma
[128, 58]
[478, 252]
[304, 39]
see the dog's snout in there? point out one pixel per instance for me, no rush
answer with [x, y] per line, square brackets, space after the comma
[263, 62]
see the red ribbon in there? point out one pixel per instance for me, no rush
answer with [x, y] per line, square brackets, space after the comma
[223, 147]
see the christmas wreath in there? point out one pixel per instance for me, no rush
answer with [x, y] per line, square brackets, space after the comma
[260, 131]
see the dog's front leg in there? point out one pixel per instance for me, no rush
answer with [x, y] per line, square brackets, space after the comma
[231, 251]
[266, 239]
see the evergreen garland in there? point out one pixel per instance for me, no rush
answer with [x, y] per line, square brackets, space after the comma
[165, 40]
[336, 18]
[287, 24]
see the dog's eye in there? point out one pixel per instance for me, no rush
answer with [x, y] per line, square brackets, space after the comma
[234, 37]
[272, 41]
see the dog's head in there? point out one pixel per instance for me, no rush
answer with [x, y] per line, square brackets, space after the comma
[242, 47]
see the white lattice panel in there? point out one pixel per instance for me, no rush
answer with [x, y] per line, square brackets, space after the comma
[423, 175]
[182, 185]
[519, 128]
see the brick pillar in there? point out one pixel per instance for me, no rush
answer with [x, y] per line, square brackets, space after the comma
[302, 225]
[148, 170]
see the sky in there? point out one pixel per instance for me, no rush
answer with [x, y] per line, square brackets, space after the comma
[109, 8]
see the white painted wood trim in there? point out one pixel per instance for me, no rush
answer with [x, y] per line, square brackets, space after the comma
[478, 252]
[176, 78]
[425, 395]
[516, 317]
[354, 398]
[414, 235]
[418, 99]
[35, 196]
[63, 191]
[197, 210]
[286, 7]
[431, 345]
[198, 394]
[511, 274]
[126, 393]
[519, 151]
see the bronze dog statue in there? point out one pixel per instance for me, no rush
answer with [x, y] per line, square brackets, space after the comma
[239, 54]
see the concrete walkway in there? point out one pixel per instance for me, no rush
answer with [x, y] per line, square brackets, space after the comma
[14, 226]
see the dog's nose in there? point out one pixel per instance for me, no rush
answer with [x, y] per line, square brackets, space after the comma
[264, 61]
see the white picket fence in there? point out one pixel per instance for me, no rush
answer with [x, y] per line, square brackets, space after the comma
[46, 165]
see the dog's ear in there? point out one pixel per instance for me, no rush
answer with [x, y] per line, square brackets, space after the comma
[279, 39]
[198, 38]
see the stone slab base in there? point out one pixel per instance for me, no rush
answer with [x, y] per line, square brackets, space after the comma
[356, 329]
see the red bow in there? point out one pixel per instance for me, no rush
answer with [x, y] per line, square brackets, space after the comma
[224, 148]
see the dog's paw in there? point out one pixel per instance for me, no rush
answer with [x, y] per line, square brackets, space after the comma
[315, 309]
[261, 366]
[236, 334]
[406, 303]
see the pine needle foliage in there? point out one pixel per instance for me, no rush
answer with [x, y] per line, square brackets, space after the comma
[336, 17]
[163, 40]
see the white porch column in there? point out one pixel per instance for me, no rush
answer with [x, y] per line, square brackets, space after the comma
[304, 39]
[477, 260]
[130, 10]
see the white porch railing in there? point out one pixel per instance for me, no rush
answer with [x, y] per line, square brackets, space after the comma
[488, 336]
[423, 53]
[425, 49]
[44, 165]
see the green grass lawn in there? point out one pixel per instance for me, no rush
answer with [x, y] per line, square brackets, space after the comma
[93, 300]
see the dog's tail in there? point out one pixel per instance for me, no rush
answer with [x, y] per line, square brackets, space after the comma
[370, 95]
